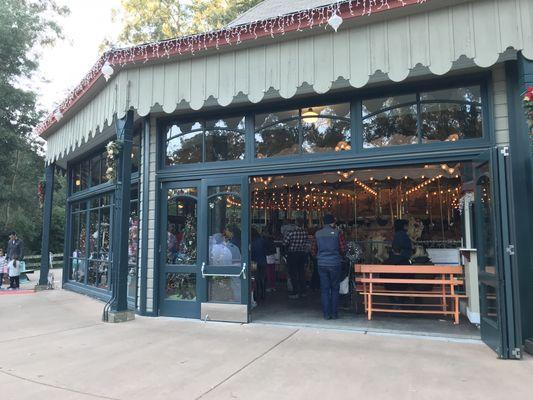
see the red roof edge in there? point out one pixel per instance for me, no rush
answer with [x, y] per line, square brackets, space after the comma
[298, 21]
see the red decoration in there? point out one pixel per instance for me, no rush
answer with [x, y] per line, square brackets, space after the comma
[528, 106]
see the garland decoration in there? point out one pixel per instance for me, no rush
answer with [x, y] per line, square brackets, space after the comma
[41, 186]
[330, 15]
[113, 149]
[528, 107]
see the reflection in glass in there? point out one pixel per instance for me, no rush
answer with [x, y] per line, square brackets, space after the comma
[488, 255]
[395, 127]
[222, 145]
[277, 134]
[326, 135]
[180, 287]
[449, 122]
[489, 303]
[182, 226]
[185, 149]
[133, 243]
[471, 94]
[224, 222]
[136, 152]
[224, 289]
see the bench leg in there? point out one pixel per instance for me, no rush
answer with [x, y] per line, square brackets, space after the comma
[369, 313]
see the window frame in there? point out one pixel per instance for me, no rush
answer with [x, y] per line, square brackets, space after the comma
[355, 98]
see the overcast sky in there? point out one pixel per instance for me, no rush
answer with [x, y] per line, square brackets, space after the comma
[63, 66]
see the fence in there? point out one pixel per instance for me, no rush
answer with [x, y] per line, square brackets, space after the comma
[34, 262]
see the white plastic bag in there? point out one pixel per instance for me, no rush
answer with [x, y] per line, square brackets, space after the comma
[345, 285]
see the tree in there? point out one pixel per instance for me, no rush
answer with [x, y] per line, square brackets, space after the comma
[150, 20]
[208, 15]
[153, 20]
[24, 25]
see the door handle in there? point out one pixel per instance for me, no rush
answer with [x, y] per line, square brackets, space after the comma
[242, 273]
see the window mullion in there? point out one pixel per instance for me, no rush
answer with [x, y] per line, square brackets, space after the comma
[418, 118]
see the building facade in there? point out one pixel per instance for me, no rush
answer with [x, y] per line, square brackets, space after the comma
[201, 129]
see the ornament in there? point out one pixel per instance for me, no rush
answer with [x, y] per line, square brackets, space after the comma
[335, 21]
[113, 151]
[107, 70]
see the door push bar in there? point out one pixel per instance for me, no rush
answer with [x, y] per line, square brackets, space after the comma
[242, 273]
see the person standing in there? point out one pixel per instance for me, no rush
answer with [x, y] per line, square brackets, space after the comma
[296, 243]
[259, 256]
[14, 247]
[328, 247]
[3, 267]
[14, 273]
[401, 243]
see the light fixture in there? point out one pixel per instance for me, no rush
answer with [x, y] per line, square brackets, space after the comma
[335, 21]
[107, 70]
[310, 116]
[77, 182]
[58, 115]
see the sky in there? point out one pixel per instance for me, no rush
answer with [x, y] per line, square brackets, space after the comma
[64, 65]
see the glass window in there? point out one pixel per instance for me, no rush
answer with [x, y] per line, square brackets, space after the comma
[322, 129]
[224, 222]
[394, 127]
[90, 244]
[224, 289]
[224, 139]
[446, 115]
[180, 287]
[220, 139]
[470, 94]
[136, 151]
[449, 122]
[96, 173]
[182, 224]
[133, 243]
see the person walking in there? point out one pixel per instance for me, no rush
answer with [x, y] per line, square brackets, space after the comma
[296, 243]
[329, 247]
[14, 247]
[14, 273]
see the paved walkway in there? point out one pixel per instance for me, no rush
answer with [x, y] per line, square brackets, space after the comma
[53, 345]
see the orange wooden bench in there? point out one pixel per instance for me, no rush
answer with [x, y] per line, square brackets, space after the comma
[440, 280]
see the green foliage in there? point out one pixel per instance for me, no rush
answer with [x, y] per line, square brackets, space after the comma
[153, 20]
[24, 25]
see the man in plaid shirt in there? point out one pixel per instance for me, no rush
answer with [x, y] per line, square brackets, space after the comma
[296, 243]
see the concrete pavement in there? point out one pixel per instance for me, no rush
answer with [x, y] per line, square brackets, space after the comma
[53, 345]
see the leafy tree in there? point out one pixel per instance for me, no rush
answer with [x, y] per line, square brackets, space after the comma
[24, 25]
[152, 20]
[208, 15]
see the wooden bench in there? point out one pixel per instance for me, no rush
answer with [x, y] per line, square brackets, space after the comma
[440, 280]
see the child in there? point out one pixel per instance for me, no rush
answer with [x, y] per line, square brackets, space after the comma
[14, 273]
[3, 267]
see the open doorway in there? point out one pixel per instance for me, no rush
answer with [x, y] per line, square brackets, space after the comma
[434, 199]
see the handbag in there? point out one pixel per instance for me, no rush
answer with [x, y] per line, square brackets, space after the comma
[345, 285]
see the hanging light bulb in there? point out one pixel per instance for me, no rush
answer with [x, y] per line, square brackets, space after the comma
[107, 70]
[335, 21]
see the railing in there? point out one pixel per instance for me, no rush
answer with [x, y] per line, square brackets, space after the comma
[34, 262]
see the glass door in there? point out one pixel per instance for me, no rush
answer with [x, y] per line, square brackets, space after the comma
[493, 251]
[181, 281]
[225, 265]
